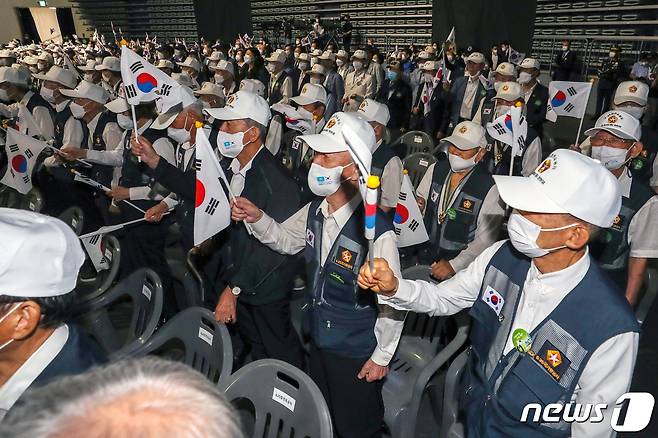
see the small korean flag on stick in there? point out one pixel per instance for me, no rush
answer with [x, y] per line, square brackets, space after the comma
[493, 299]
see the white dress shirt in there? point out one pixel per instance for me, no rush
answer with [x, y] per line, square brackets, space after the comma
[289, 237]
[286, 88]
[469, 97]
[608, 373]
[41, 116]
[489, 220]
[21, 380]
[240, 174]
[72, 137]
[643, 229]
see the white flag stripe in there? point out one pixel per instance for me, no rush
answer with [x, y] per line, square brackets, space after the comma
[408, 223]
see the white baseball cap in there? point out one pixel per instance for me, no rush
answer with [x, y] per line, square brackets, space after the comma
[311, 93]
[373, 111]
[165, 63]
[253, 86]
[431, 65]
[304, 57]
[87, 90]
[45, 56]
[467, 135]
[59, 75]
[423, 55]
[187, 98]
[184, 79]
[318, 69]
[632, 91]
[89, 66]
[217, 56]
[359, 54]
[29, 60]
[190, 62]
[342, 54]
[316, 53]
[277, 56]
[509, 91]
[109, 63]
[565, 182]
[529, 63]
[476, 57]
[13, 76]
[506, 69]
[243, 105]
[40, 255]
[619, 124]
[328, 55]
[224, 65]
[332, 138]
[212, 89]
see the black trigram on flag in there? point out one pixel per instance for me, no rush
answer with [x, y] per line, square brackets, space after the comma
[136, 66]
[569, 107]
[500, 129]
[94, 239]
[130, 91]
[397, 230]
[413, 225]
[13, 148]
[572, 91]
[521, 142]
[165, 90]
[212, 206]
[403, 196]
[28, 153]
[197, 164]
[26, 179]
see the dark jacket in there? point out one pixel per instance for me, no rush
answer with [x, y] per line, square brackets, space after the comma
[399, 104]
[457, 97]
[263, 275]
[536, 108]
[564, 66]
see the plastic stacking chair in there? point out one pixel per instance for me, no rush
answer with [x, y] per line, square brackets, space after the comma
[193, 283]
[277, 400]
[206, 344]
[74, 218]
[417, 164]
[450, 426]
[422, 351]
[32, 201]
[106, 316]
[416, 141]
[649, 296]
[88, 286]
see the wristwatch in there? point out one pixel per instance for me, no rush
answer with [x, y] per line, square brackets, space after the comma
[236, 290]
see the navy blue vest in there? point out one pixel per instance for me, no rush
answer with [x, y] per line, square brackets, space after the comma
[452, 236]
[276, 95]
[35, 101]
[100, 172]
[497, 387]
[60, 122]
[339, 316]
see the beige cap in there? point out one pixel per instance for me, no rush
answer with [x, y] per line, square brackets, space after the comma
[373, 111]
[13, 76]
[359, 54]
[476, 57]
[328, 56]
[45, 56]
[509, 91]
[467, 135]
[225, 66]
[89, 66]
[277, 56]
[506, 69]
[632, 91]
[87, 90]
[530, 63]
[431, 65]
[191, 62]
[311, 93]
[304, 57]
[212, 89]
[109, 63]
[318, 69]
[165, 63]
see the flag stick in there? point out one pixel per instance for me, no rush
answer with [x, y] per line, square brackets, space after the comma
[580, 126]
[111, 228]
[106, 189]
[132, 110]
[85, 163]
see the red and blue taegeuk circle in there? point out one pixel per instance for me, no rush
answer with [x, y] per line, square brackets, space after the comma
[19, 164]
[200, 194]
[146, 83]
[559, 99]
[401, 214]
[508, 122]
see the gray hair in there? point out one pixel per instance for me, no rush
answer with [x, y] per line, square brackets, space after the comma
[144, 398]
[262, 129]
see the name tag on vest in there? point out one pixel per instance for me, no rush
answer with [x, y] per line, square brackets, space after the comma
[346, 258]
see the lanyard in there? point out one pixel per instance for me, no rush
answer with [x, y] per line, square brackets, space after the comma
[447, 197]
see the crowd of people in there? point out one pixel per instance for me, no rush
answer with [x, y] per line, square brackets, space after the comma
[546, 248]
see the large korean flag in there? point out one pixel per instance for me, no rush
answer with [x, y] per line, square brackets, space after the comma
[22, 152]
[567, 99]
[408, 221]
[212, 211]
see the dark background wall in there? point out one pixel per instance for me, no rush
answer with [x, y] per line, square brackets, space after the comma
[222, 19]
[482, 23]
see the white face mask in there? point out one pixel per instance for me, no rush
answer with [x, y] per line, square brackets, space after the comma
[219, 79]
[89, 77]
[325, 181]
[635, 111]
[501, 109]
[304, 113]
[248, 59]
[48, 94]
[124, 121]
[523, 234]
[77, 111]
[304, 66]
[459, 164]
[230, 145]
[358, 65]
[14, 307]
[316, 81]
[524, 77]
[340, 62]
[271, 67]
[179, 135]
[611, 158]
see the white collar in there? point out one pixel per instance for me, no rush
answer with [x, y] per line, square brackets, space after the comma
[235, 164]
[344, 213]
[625, 182]
[28, 95]
[562, 281]
[93, 122]
[60, 106]
[144, 127]
[32, 368]
[379, 143]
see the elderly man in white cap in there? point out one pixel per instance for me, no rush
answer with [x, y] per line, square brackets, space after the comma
[505, 72]
[467, 90]
[211, 95]
[624, 249]
[89, 72]
[429, 104]
[259, 281]
[548, 325]
[192, 67]
[535, 94]
[110, 69]
[14, 88]
[463, 211]
[39, 265]
[385, 163]
[343, 66]
[7, 57]
[352, 338]
[303, 71]
[225, 77]
[166, 66]
[44, 62]
[359, 85]
[416, 77]
[333, 82]
[510, 94]
[280, 88]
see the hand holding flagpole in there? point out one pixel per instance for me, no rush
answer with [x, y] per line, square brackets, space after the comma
[371, 217]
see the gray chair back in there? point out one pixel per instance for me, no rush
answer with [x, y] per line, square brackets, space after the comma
[277, 400]
[89, 286]
[206, 343]
[416, 141]
[125, 316]
[650, 290]
[450, 426]
[74, 218]
[417, 164]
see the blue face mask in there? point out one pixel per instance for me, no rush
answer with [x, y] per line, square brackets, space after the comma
[392, 75]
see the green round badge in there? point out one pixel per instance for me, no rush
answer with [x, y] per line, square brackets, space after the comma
[637, 164]
[521, 340]
[451, 213]
[607, 237]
